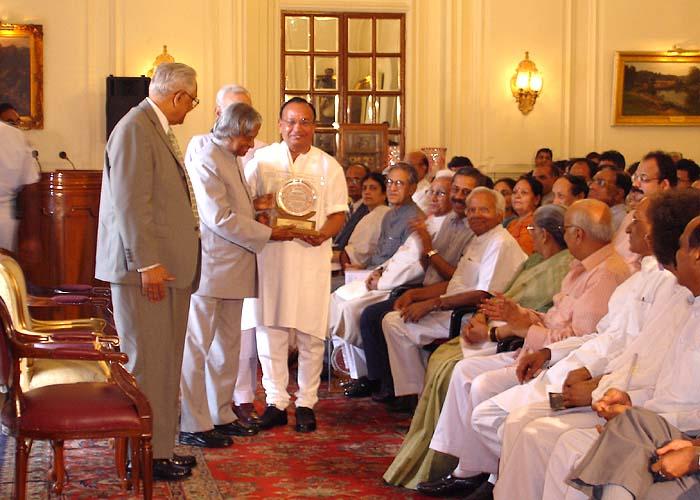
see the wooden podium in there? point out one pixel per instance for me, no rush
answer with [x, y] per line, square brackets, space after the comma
[68, 203]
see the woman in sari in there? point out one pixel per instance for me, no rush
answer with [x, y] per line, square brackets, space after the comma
[527, 195]
[533, 286]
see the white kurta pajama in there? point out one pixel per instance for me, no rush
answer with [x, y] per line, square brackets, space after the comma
[531, 432]
[294, 276]
[363, 240]
[348, 302]
[488, 265]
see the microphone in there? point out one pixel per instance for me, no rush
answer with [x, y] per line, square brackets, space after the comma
[35, 155]
[63, 156]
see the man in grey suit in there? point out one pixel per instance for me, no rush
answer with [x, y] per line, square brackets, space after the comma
[230, 238]
[148, 249]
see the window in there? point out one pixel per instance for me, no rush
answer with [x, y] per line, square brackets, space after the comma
[350, 66]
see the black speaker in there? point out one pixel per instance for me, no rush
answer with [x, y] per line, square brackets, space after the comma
[123, 93]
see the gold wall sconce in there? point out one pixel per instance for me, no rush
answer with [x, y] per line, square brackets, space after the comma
[526, 84]
[161, 58]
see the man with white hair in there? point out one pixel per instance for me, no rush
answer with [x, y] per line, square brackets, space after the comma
[148, 249]
[423, 315]
[577, 308]
[230, 239]
[246, 381]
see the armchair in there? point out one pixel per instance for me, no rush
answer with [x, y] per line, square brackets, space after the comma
[87, 410]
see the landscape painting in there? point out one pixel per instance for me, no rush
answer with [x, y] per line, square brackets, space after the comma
[657, 89]
[21, 71]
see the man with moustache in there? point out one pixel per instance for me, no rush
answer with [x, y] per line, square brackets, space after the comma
[295, 275]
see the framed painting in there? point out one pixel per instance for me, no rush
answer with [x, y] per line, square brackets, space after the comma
[657, 88]
[21, 71]
[368, 144]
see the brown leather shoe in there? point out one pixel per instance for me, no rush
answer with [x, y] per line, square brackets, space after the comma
[246, 413]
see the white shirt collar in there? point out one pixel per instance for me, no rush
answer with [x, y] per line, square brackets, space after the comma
[161, 116]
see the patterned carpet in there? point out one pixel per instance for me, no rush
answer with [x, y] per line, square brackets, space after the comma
[345, 458]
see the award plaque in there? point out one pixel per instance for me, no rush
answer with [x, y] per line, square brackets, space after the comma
[296, 201]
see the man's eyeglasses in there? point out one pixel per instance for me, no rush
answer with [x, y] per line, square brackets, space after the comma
[303, 123]
[598, 182]
[195, 101]
[643, 178]
[439, 194]
[397, 183]
[354, 180]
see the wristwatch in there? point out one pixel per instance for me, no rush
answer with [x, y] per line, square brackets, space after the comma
[492, 334]
[431, 253]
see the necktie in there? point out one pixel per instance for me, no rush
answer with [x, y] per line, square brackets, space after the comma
[176, 147]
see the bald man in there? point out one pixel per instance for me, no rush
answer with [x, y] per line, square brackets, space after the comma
[581, 303]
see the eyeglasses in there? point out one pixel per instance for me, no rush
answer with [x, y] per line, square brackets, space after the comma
[353, 180]
[195, 101]
[439, 194]
[643, 178]
[598, 182]
[398, 183]
[303, 123]
[566, 227]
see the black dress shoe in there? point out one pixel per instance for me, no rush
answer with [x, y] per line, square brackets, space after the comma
[205, 439]
[236, 428]
[246, 413]
[452, 486]
[361, 388]
[403, 404]
[166, 470]
[483, 492]
[184, 460]
[272, 417]
[383, 396]
[306, 420]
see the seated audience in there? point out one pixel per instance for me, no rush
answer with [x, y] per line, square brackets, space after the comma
[505, 186]
[580, 304]
[362, 243]
[348, 301]
[544, 156]
[458, 162]
[420, 163]
[688, 172]
[611, 187]
[632, 357]
[422, 315]
[569, 188]
[527, 195]
[534, 285]
[354, 175]
[400, 186]
[613, 159]
[546, 174]
[582, 167]
[429, 255]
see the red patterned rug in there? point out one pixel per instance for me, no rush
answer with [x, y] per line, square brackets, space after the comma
[345, 458]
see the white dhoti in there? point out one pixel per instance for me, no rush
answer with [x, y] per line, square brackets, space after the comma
[569, 450]
[273, 344]
[347, 304]
[247, 380]
[524, 457]
[454, 433]
[405, 343]
[210, 363]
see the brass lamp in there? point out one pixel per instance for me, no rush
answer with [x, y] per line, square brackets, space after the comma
[526, 84]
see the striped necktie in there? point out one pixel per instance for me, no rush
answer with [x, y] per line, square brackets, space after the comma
[176, 147]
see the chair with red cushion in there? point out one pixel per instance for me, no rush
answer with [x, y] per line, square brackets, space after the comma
[83, 410]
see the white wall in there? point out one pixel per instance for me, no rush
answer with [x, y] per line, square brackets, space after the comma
[461, 55]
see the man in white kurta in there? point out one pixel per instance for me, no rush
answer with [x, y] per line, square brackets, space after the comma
[487, 266]
[295, 275]
[632, 365]
[16, 170]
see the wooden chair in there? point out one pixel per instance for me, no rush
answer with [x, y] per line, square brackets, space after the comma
[86, 410]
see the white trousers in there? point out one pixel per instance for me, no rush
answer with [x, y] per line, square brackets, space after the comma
[526, 452]
[273, 346]
[455, 433]
[210, 363]
[405, 343]
[247, 380]
[571, 447]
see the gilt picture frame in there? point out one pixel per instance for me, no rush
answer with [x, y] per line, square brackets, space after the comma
[657, 88]
[22, 71]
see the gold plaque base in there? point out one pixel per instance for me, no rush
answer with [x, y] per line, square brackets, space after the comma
[301, 226]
